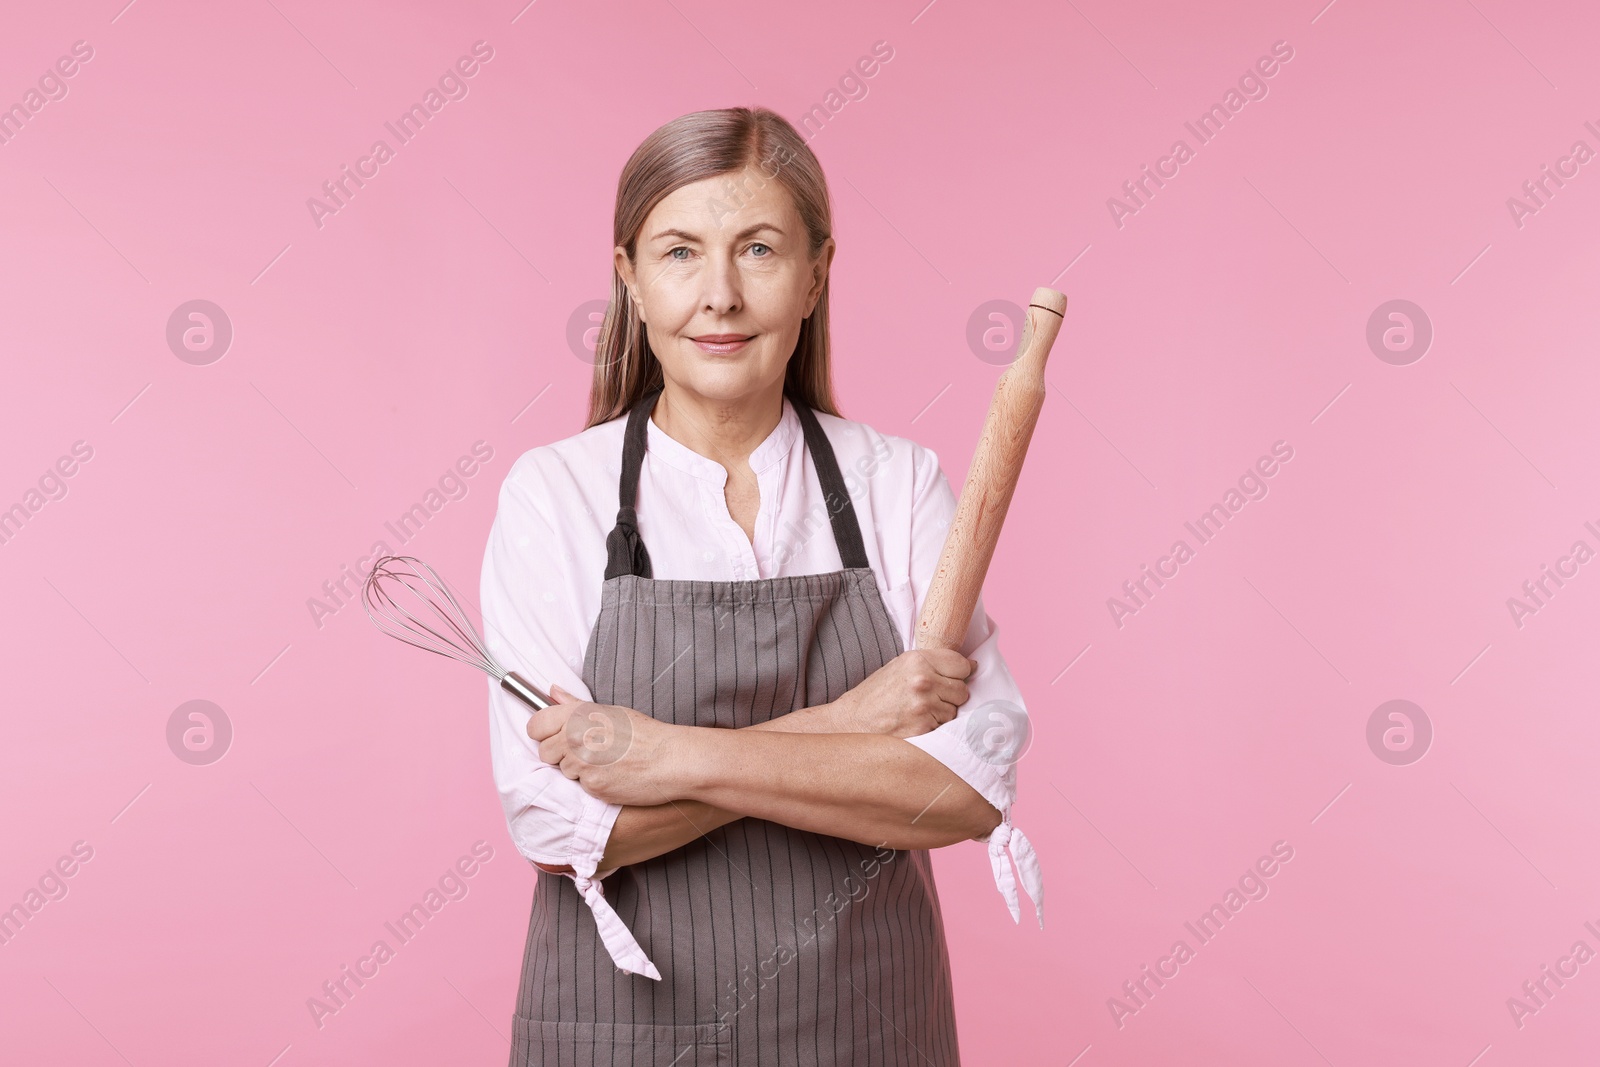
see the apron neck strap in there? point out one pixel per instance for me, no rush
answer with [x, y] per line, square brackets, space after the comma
[841, 509]
[625, 551]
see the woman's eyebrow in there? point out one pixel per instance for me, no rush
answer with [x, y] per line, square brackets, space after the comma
[748, 231]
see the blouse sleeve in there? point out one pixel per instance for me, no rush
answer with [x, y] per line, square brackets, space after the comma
[528, 593]
[990, 732]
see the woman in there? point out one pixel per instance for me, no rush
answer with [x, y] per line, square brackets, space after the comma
[731, 806]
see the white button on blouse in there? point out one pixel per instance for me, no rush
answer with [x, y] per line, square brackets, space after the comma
[546, 559]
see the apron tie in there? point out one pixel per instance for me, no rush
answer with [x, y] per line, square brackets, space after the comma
[620, 943]
[625, 551]
[1027, 866]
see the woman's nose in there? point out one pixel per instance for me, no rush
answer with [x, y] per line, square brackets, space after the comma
[724, 292]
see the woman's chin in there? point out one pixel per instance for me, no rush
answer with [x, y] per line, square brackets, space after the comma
[724, 379]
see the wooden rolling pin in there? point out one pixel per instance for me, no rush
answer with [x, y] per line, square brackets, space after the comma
[975, 529]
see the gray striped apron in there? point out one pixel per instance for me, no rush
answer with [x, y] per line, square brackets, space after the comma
[776, 946]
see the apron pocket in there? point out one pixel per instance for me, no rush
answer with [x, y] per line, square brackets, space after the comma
[556, 1041]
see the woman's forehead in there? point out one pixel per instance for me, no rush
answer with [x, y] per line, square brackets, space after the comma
[723, 206]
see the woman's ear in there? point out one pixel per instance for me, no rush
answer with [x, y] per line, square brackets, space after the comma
[819, 275]
[630, 280]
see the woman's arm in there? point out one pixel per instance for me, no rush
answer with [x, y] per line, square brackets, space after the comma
[876, 789]
[871, 788]
[908, 696]
[645, 831]
[869, 779]
[841, 768]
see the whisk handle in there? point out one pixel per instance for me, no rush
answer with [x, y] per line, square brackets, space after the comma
[524, 691]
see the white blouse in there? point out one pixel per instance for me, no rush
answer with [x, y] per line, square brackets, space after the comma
[546, 559]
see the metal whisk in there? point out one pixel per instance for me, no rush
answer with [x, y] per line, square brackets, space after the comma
[406, 599]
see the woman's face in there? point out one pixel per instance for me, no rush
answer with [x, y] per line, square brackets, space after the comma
[722, 280]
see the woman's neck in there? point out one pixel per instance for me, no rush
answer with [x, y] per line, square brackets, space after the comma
[725, 431]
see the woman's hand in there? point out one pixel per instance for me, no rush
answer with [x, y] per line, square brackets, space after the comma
[618, 755]
[913, 693]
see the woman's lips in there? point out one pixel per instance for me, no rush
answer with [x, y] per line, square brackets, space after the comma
[721, 343]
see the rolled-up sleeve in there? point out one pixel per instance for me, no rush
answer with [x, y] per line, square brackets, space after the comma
[528, 597]
[990, 732]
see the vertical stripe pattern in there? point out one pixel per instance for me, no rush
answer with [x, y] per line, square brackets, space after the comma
[777, 947]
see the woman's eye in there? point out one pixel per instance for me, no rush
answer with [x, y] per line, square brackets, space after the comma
[674, 253]
[756, 246]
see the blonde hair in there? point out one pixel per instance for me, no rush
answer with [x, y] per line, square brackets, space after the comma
[691, 148]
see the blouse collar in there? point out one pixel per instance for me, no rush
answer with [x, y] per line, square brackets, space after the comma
[777, 444]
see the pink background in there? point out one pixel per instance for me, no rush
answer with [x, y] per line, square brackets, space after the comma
[1229, 313]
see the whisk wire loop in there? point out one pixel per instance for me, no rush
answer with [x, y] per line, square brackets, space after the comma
[401, 594]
